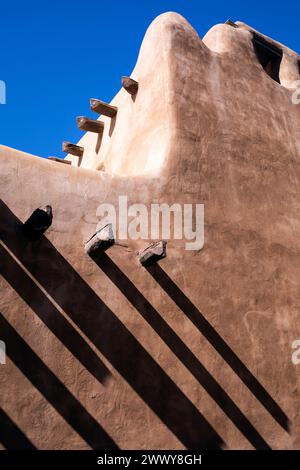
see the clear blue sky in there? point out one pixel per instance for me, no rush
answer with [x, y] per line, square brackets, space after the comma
[55, 55]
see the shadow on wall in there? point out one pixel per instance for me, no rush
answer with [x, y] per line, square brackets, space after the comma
[99, 324]
[11, 436]
[197, 318]
[182, 352]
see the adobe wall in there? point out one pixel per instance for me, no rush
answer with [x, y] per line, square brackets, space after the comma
[194, 352]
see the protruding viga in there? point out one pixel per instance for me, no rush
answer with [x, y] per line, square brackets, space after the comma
[101, 241]
[153, 253]
[59, 160]
[90, 125]
[231, 23]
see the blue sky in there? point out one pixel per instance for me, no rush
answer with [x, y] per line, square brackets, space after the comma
[56, 55]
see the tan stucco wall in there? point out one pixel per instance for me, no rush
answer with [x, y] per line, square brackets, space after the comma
[189, 353]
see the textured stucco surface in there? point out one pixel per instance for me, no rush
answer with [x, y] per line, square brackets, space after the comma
[208, 125]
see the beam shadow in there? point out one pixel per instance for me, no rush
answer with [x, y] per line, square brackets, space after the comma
[178, 347]
[109, 335]
[12, 437]
[53, 389]
[225, 351]
[52, 318]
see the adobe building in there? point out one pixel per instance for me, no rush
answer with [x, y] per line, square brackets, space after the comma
[193, 350]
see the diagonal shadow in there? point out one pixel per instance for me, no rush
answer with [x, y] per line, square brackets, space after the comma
[11, 437]
[109, 335]
[203, 325]
[53, 389]
[182, 352]
[53, 319]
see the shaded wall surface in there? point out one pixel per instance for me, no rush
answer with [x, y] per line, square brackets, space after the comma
[191, 352]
